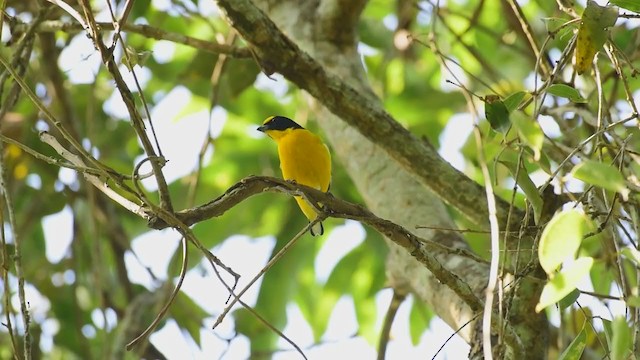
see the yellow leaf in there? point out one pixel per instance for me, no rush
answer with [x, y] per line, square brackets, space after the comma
[592, 33]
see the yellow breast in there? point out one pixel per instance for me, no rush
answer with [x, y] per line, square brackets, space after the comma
[304, 159]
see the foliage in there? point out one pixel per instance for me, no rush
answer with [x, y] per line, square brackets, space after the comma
[554, 118]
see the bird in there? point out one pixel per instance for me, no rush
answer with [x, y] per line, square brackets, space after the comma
[304, 159]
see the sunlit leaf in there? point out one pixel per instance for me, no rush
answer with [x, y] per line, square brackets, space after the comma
[134, 57]
[527, 186]
[564, 282]
[631, 5]
[561, 238]
[419, 320]
[632, 254]
[601, 277]
[188, 315]
[355, 273]
[195, 104]
[514, 100]
[575, 349]
[529, 131]
[633, 301]
[592, 33]
[553, 24]
[566, 91]
[601, 175]
[621, 338]
[395, 76]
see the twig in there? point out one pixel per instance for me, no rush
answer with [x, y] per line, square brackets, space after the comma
[93, 179]
[51, 119]
[131, 68]
[216, 75]
[17, 257]
[268, 266]
[394, 305]
[149, 32]
[423, 250]
[611, 50]
[4, 263]
[463, 231]
[585, 142]
[71, 11]
[454, 334]
[136, 120]
[47, 159]
[526, 29]
[172, 297]
[601, 296]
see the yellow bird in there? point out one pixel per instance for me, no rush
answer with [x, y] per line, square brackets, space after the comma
[304, 158]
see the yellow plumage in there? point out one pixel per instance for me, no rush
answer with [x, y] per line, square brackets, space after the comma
[304, 158]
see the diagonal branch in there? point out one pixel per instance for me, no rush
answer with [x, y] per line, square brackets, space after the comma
[278, 53]
[136, 120]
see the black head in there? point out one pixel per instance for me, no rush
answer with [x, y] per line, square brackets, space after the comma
[278, 123]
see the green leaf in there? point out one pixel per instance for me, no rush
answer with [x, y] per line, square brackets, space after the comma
[553, 24]
[530, 132]
[284, 276]
[566, 91]
[564, 282]
[631, 5]
[188, 315]
[633, 301]
[315, 301]
[419, 320]
[135, 57]
[608, 331]
[569, 299]
[601, 175]
[632, 254]
[575, 349]
[195, 104]
[561, 238]
[496, 113]
[238, 76]
[621, 339]
[395, 77]
[527, 186]
[514, 100]
[358, 274]
[601, 277]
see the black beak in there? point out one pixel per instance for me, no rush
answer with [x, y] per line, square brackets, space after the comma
[262, 128]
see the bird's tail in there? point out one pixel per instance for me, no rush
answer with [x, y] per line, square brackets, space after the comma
[308, 210]
[317, 229]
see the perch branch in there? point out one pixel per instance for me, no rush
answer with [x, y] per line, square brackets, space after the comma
[421, 249]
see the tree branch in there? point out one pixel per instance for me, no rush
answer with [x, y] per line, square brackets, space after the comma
[421, 249]
[277, 53]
